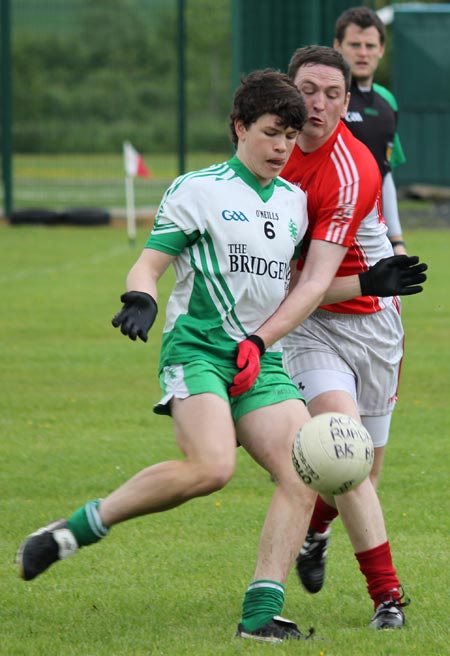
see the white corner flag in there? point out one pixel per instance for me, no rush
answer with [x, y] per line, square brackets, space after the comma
[134, 167]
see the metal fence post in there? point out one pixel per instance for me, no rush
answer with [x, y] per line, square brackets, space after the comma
[5, 19]
[181, 86]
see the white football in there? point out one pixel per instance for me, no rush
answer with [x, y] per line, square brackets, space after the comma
[332, 453]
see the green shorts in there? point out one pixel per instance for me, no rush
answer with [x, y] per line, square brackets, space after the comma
[273, 385]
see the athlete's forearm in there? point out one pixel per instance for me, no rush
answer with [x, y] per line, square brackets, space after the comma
[307, 291]
[303, 299]
[147, 270]
[295, 308]
[342, 289]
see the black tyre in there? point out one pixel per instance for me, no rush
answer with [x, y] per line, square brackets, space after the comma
[86, 216]
[35, 217]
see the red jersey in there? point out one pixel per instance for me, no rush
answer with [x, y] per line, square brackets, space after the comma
[343, 185]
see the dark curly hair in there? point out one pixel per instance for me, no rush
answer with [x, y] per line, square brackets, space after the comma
[267, 91]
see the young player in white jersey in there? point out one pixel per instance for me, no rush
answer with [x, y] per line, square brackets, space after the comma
[230, 231]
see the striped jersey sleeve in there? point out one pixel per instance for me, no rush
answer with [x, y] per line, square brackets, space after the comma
[343, 186]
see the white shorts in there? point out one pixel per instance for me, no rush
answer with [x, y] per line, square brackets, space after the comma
[311, 384]
[358, 353]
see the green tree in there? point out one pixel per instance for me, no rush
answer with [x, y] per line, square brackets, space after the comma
[109, 73]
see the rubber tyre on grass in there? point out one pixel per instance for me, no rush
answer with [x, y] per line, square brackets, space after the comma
[86, 216]
[35, 216]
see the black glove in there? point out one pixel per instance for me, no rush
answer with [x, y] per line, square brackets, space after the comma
[137, 315]
[398, 275]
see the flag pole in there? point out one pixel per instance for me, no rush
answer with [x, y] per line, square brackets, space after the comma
[134, 166]
[131, 209]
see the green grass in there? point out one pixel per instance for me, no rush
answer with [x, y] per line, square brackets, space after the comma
[76, 421]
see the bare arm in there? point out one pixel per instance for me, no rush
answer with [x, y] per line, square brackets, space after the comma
[398, 275]
[316, 285]
[140, 305]
[341, 289]
[309, 290]
[147, 270]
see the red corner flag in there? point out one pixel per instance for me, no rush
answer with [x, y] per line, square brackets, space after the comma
[134, 162]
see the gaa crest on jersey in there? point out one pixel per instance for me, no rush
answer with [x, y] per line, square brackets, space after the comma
[234, 215]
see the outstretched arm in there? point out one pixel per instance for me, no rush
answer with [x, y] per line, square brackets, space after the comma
[392, 276]
[147, 270]
[140, 301]
[398, 275]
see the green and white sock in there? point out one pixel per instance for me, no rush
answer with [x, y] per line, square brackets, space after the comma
[86, 525]
[263, 600]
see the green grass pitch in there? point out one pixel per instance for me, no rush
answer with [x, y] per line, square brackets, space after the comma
[76, 421]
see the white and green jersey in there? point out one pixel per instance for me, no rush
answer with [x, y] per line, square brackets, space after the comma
[233, 240]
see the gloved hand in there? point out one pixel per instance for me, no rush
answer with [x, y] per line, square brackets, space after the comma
[398, 275]
[248, 360]
[137, 315]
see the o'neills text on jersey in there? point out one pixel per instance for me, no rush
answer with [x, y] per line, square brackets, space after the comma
[266, 214]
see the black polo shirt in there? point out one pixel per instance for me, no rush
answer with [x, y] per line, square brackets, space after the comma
[373, 120]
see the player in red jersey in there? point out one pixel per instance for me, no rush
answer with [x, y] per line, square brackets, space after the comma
[342, 181]
[344, 357]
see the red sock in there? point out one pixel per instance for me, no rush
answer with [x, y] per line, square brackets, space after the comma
[376, 565]
[322, 516]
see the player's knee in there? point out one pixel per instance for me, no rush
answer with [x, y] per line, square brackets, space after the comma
[295, 490]
[215, 476]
